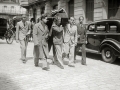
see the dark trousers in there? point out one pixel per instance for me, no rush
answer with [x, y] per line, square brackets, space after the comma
[83, 51]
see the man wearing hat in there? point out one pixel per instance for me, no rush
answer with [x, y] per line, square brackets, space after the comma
[22, 30]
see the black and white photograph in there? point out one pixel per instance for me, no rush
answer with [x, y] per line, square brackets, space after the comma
[59, 44]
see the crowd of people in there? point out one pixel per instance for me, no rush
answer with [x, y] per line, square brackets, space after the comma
[65, 40]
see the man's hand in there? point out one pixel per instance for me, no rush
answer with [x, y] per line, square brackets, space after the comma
[75, 44]
[17, 40]
[78, 36]
[28, 32]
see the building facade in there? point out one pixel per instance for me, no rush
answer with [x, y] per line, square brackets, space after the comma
[91, 10]
[10, 8]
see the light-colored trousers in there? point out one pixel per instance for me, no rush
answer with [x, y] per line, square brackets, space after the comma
[69, 48]
[57, 53]
[23, 46]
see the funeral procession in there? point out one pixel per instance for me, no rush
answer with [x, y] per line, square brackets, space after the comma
[59, 44]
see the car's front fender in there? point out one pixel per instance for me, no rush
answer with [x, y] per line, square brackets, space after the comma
[115, 45]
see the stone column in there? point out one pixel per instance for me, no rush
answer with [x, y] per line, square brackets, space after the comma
[48, 7]
[38, 12]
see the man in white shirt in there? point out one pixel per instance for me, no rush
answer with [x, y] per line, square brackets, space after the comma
[70, 41]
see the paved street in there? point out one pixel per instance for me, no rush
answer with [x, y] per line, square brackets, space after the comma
[14, 75]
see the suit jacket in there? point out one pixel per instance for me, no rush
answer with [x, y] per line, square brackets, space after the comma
[82, 33]
[40, 35]
[21, 30]
[57, 32]
[70, 33]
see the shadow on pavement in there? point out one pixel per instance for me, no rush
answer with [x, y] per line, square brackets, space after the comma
[92, 56]
[3, 42]
[7, 84]
[29, 58]
[117, 62]
[99, 57]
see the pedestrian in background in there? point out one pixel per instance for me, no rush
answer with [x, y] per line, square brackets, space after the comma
[81, 29]
[70, 41]
[32, 25]
[57, 31]
[40, 38]
[22, 30]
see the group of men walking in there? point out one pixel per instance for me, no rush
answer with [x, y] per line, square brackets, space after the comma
[64, 39]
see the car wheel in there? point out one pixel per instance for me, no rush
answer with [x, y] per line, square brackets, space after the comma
[108, 55]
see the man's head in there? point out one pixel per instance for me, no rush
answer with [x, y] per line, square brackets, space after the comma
[81, 19]
[57, 20]
[24, 18]
[44, 18]
[71, 20]
[55, 7]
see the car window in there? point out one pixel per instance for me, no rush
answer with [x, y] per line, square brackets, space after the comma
[113, 28]
[100, 27]
[91, 27]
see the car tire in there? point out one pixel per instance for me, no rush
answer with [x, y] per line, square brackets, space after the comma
[108, 55]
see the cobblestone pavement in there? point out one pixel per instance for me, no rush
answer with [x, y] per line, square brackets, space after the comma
[14, 75]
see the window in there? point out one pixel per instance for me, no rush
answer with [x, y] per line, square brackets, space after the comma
[101, 28]
[42, 10]
[114, 9]
[5, 9]
[71, 8]
[89, 10]
[113, 28]
[12, 9]
[91, 27]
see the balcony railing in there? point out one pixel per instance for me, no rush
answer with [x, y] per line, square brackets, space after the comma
[24, 3]
[12, 12]
[34, 1]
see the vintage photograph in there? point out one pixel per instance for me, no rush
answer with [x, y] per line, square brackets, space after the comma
[59, 44]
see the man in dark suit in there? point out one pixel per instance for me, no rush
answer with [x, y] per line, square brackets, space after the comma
[40, 38]
[81, 29]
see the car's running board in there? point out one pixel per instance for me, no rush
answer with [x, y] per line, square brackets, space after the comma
[91, 51]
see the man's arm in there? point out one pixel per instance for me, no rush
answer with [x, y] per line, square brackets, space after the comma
[76, 36]
[57, 29]
[35, 39]
[29, 28]
[17, 31]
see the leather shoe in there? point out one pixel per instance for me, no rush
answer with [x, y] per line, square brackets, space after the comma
[71, 65]
[45, 68]
[24, 61]
[84, 64]
[61, 66]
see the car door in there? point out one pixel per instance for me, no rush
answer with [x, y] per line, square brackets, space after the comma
[100, 34]
[90, 36]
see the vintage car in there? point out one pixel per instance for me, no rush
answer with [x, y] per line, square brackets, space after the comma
[103, 37]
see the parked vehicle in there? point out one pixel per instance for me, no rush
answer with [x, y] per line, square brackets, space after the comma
[4, 32]
[103, 37]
